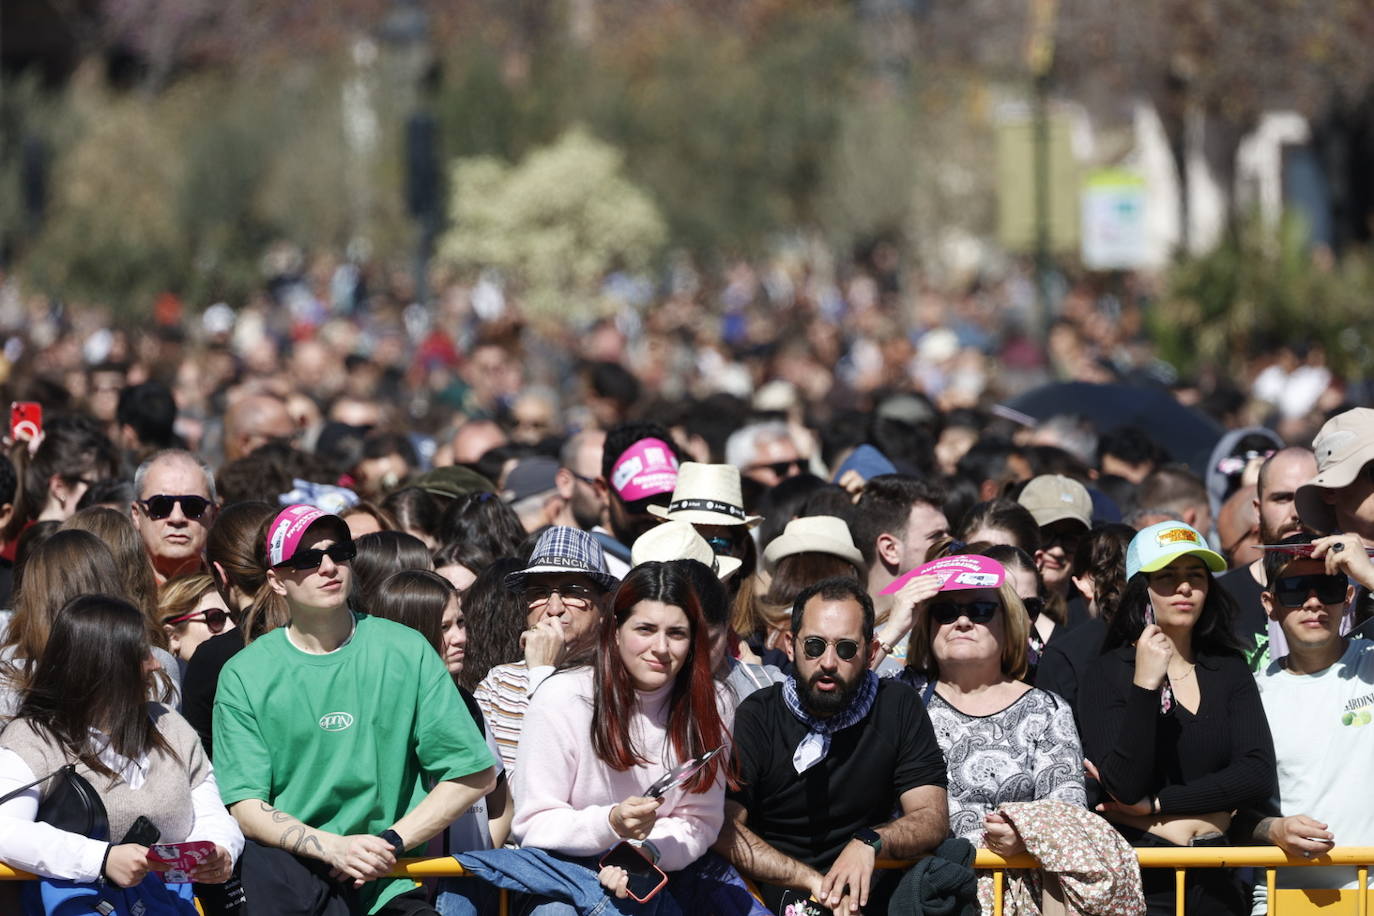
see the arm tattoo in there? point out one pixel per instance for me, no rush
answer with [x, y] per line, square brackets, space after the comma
[279, 817]
[306, 845]
[294, 834]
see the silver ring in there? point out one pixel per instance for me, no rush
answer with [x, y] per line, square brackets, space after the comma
[1338, 547]
[1307, 854]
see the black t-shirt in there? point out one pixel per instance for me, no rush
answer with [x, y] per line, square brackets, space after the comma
[1252, 626]
[1066, 658]
[811, 816]
[201, 679]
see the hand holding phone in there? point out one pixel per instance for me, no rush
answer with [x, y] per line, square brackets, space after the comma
[641, 880]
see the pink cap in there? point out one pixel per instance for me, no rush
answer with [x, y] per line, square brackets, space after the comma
[647, 468]
[959, 572]
[285, 533]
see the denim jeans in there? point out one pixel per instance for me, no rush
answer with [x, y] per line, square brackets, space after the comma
[466, 897]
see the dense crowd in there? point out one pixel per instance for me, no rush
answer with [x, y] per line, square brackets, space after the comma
[690, 606]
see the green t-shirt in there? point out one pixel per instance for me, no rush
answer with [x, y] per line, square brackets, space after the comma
[343, 741]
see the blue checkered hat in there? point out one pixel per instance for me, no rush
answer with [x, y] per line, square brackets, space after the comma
[565, 550]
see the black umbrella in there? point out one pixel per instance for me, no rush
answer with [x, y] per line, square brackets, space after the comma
[1188, 434]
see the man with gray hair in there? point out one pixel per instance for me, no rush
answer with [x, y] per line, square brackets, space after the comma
[765, 452]
[174, 506]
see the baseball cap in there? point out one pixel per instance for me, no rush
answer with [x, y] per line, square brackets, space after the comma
[1343, 447]
[1157, 546]
[646, 469]
[1053, 497]
[288, 530]
[970, 570]
[530, 477]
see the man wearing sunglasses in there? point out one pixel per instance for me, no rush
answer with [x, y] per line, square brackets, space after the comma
[1319, 700]
[824, 759]
[173, 509]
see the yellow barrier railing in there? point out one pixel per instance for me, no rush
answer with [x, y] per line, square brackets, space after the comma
[1181, 860]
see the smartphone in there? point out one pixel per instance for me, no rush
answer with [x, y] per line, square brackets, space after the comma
[26, 420]
[646, 878]
[183, 857]
[143, 832]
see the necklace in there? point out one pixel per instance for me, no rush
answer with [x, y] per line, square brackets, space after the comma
[1183, 677]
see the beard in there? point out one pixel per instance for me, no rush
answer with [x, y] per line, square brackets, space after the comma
[1268, 535]
[823, 704]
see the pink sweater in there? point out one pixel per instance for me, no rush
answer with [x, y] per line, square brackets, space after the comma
[564, 793]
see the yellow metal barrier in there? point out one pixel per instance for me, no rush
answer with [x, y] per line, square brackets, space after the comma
[1181, 860]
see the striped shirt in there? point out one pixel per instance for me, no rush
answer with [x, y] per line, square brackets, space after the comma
[504, 695]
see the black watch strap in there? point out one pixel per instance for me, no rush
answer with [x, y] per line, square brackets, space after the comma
[868, 837]
[394, 838]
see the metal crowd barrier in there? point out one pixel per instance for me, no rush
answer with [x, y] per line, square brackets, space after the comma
[1181, 860]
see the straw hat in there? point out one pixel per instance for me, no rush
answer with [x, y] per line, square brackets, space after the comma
[678, 540]
[813, 534]
[707, 494]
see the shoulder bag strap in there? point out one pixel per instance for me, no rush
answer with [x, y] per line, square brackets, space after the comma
[22, 789]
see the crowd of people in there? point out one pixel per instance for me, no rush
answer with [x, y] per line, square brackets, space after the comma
[623, 646]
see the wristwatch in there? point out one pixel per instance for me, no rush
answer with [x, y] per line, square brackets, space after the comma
[394, 838]
[869, 838]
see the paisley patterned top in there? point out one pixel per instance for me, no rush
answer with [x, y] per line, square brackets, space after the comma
[1027, 752]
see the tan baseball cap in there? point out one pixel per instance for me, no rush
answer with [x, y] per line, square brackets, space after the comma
[1343, 447]
[1053, 497]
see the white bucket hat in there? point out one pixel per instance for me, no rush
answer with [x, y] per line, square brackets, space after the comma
[678, 540]
[707, 494]
[813, 534]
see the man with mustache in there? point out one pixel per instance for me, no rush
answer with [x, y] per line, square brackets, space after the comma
[824, 758]
[1275, 490]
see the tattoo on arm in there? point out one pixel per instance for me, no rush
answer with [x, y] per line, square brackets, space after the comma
[292, 836]
[279, 817]
[308, 845]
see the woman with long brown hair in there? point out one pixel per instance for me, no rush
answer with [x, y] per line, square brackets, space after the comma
[117, 530]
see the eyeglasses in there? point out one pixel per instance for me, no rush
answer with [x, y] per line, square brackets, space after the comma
[975, 611]
[160, 506]
[575, 596]
[214, 618]
[303, 560]
[1034, 606]
[781, 468]
[1292, 591]
[815, 646]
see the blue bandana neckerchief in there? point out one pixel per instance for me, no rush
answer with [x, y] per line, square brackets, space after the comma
[816, 744]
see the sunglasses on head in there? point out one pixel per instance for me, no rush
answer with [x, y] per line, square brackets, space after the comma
[303, 560]
[160, 506]
[1292, 591]
[976, 611]
[215, 618]
[814, 647]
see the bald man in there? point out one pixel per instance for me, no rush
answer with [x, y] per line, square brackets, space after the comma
[253, 421]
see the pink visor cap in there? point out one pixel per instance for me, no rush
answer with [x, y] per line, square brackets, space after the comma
[958, 572]
[287, 530]
[647, 468]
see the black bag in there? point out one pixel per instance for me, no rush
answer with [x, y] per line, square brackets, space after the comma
[72, 805]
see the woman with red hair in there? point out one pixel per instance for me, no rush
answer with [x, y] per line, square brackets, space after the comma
[596, 737]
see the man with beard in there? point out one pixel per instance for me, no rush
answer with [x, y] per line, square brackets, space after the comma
[1275, 490]
[824, 759]
[638, 469]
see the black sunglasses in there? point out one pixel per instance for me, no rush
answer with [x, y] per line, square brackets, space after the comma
[303, 560]
[781, 468]
[815, 646]
[160, 506]
[976, 611]
[1292, 591]
[215, 618]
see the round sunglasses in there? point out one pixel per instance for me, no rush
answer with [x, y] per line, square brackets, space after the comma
[814, 647]
[214, 618]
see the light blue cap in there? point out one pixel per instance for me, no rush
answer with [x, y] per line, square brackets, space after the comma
[1157, 546]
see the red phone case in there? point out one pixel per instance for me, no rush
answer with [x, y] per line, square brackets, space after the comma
[626, 848]
[26, 420]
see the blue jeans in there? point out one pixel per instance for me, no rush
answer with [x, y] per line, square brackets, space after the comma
[466, 897]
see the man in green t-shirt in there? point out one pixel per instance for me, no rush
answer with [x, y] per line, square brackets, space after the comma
[328, 731]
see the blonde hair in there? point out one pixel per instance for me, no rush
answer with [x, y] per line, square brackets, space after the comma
[1015, 636]
[181, 595]
[118, 533]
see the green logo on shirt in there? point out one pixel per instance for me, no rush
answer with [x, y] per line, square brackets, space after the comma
[336, 721]
[1356, 717]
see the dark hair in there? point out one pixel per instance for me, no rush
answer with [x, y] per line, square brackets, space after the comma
[1213, 634]
[1003, 515]
[908, 446]
[710, 591]
[1275, 561]
[151, 411]
[694, 722]
[989, 459]
[90, 676]
[483, 521]
[74, 446]
[110, 492]
[232, 545]
[829, 499]
[269, 471]
[713, 418]
[780, 504]
[613, 382]
[1172, 487]
[415, 510]
[1102, 553]
[416, 598]
[836, 588]
[495, 619]
[381, 555]
[1132, 445]
[793, 574]
[845, 429]
[381, 444]
[885, 508]
[9, 481]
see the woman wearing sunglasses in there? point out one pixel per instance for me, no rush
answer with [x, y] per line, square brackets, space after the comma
[1173, 725]
[1003, 740]
[596, 736]
[191, 611]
